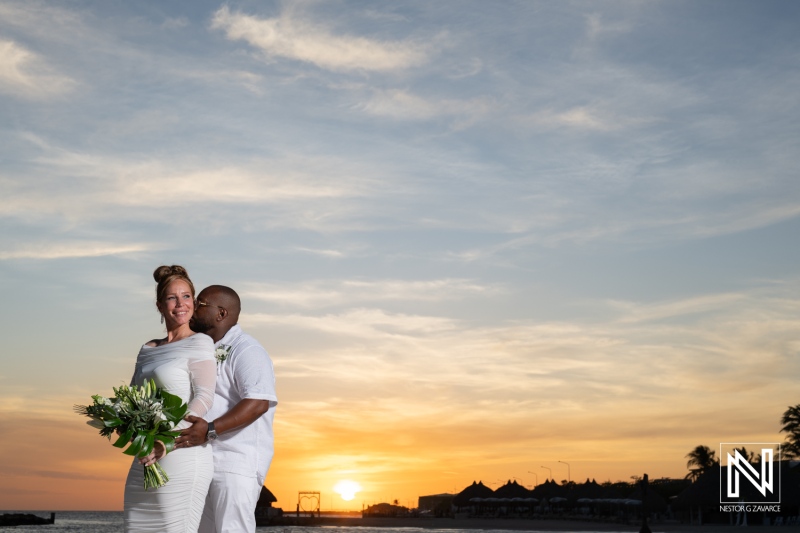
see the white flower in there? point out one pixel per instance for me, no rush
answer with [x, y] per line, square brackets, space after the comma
[158, 415]
[221, 353]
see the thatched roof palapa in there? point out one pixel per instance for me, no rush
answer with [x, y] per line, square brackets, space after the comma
[593, 490]
[266, 498]
[476, 490]
[512, 489]
[549, 489]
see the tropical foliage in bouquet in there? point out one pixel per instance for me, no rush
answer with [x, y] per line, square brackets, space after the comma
[140, 416]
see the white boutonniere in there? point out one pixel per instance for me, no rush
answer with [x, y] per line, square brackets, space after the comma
[221, 353]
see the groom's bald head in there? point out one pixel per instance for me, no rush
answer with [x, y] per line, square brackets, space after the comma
[216, 312]
[226, 298]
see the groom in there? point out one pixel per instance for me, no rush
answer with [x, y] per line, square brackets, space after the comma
[240, 421]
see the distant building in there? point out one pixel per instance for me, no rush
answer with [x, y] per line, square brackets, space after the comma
[430, 503]
[264, 508]
[385, 509]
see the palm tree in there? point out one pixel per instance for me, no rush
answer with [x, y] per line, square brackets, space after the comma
[750, 457]
[700, 459]
[791, 426]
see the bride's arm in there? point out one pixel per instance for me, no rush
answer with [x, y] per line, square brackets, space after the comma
[203, 374]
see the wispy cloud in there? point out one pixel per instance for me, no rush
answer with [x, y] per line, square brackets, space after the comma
[404, 105]
[88, 186]
[596, 26]
[358, 323]
[318, 294]
[63, 250]
[292, 37]
[27, 75]
[679, 308]
[581, 118]
[664, 348]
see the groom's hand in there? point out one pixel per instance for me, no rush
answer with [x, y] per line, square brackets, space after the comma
[194, 435]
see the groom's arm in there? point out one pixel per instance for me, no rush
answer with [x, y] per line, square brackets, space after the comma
[242, 414]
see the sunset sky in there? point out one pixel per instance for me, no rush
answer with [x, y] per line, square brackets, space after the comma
[477, 238]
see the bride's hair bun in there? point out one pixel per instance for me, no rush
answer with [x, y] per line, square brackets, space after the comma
[167, 271]
[164, 275]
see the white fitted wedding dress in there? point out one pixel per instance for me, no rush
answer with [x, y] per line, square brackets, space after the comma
[186, 368]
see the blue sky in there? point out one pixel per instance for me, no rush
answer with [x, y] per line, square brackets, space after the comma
[577, 218]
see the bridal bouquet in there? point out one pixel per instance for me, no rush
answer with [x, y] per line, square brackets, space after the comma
[140, 416]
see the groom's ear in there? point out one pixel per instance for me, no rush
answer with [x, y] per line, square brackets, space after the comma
[222, 314]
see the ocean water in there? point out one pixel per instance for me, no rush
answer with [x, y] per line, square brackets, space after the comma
[111, 522]
[75, 522]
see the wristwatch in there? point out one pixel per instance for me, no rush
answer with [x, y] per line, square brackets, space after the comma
[212, 433]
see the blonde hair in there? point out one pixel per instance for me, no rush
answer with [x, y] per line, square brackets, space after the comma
[164, 275]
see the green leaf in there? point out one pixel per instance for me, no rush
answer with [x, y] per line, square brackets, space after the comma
[148, 446]
[136, 445]
[170, 400]
[168, 441]
[124, 439]
[112, 422]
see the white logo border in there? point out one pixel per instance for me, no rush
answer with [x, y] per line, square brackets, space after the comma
[777, 447]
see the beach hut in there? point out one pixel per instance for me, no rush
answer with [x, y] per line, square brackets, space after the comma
[514, 498]
[512, 489]
[592, 490]
[476, 490]
[549, 489]
[264, 509]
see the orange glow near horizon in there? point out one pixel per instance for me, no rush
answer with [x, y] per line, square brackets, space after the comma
[84, 472]
[405, 431]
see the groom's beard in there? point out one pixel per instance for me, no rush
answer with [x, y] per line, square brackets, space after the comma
[197, 326]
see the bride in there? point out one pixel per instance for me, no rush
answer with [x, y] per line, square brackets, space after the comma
[183, 364]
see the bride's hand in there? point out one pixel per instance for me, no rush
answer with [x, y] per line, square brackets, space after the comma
[159, 451]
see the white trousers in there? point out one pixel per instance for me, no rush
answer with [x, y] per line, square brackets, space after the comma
[230, 504]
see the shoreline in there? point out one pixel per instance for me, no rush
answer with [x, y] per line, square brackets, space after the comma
[509, 524]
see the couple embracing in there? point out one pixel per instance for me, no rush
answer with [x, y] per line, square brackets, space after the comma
[222, 455]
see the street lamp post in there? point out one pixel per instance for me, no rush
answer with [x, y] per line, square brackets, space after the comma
[569, 475]
[549, 470]
[535, 474]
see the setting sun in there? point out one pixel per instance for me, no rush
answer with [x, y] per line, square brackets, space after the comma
[347, 489]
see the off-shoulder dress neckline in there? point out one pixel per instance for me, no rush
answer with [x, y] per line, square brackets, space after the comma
[147, 344]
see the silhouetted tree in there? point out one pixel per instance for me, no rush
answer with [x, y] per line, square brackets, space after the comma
[700, 459]
[791, 426]
[751, 457]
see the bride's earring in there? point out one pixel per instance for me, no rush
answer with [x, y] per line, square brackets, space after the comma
[162, 319]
